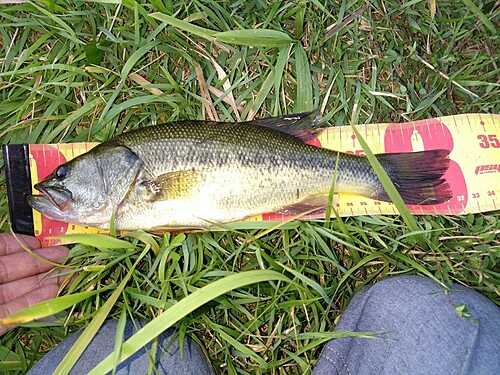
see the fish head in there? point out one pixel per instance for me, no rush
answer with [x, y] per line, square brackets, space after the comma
[88, 189]
[74, 192]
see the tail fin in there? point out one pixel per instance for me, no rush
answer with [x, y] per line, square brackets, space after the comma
[418, 176]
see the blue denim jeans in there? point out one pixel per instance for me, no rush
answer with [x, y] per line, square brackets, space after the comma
[423, 334]
[169, 359]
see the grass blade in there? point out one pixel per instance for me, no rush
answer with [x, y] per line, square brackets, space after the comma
[186, 26]
[97, 240]
[244, 37]
[485, 20]
[184, 307]
[88, 334]
[47, 308]
[255, 38]
[303, 99]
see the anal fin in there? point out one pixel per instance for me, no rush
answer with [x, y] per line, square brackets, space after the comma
[311, 204]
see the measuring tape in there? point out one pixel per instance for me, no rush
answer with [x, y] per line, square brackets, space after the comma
[474, 173]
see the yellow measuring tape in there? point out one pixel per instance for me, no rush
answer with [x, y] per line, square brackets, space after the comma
[474, 173]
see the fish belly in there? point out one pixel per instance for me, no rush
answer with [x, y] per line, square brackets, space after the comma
[228, 195]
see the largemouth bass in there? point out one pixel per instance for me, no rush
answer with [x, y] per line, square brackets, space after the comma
[194, 174]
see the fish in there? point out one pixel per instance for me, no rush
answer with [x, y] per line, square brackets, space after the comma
[196, 174]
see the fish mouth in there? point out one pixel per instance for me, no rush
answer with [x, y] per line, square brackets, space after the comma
[52, 198]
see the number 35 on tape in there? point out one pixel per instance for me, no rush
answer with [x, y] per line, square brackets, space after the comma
[474, 174]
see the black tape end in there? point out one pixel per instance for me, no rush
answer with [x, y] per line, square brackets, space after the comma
[18, 180]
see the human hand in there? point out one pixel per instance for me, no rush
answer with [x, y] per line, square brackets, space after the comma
[21, 274]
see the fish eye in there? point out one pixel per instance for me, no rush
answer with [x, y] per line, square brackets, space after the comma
[61, 172]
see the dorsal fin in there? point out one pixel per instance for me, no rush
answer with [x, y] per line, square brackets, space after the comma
[301, 125]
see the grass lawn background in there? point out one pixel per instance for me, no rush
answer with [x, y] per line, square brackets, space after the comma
[85, 71]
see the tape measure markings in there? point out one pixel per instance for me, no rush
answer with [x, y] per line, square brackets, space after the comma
[474, 174]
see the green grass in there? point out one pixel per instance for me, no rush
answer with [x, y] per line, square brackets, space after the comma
[74, 71]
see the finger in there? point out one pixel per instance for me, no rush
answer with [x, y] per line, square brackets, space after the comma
[10, 244]
[14, 289]
[42, 294]
[21, 265]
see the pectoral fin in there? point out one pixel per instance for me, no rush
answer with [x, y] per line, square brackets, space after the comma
[174, 185]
